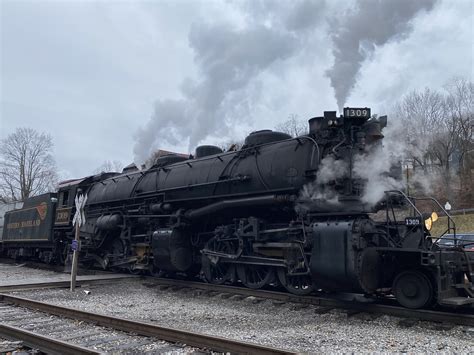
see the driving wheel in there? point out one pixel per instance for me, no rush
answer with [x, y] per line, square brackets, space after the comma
[255, 276]
[296, 284]
[215, 271]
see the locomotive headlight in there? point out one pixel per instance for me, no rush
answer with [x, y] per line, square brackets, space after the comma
[428, 223]
[330, 122]
[430, 219]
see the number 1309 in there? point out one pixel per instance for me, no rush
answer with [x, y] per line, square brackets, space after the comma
[356, 112]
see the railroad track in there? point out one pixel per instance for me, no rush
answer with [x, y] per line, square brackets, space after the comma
[60, 284]
[45, 344]
[357, 305]
[61, 330]
[56, 280]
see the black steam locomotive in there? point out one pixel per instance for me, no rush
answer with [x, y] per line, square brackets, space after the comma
[241, 216]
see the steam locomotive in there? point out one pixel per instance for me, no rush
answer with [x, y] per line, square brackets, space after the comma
[241, 216]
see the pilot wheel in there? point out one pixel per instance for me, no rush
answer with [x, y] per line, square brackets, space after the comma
[412, 289]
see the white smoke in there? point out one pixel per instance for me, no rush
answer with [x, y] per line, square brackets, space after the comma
[329, 170]
[232, 59]
[229, 60]
[375, 169]
[422, 181]
[376, 166]
[371, 24]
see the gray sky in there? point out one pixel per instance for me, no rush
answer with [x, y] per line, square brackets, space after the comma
[114, 80]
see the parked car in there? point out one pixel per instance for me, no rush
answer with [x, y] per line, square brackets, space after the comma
[464, 240]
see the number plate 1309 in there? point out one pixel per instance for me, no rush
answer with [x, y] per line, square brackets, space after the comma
[357, 112]
[412, 221]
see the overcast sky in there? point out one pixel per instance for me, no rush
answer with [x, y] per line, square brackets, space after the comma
[113, 80]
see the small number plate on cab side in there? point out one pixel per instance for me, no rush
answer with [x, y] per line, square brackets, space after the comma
[412, 221]
[357, 112]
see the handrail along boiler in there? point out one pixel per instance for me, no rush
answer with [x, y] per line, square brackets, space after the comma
[260, 216]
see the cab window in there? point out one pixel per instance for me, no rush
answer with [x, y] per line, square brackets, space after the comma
[64, 198]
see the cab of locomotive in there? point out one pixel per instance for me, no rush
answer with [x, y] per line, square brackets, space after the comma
[67, 191]
[66, 194]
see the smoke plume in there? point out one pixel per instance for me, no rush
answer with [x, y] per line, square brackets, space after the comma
[229, 60]
[371, 24]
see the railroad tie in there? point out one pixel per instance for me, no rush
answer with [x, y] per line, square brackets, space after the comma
[323, 310]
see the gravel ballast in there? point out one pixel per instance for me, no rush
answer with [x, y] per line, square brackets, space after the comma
[286, 326]
[18, 273]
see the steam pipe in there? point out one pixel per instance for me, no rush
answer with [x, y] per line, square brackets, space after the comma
[242, 202]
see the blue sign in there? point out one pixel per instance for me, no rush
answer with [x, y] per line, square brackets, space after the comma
[75, 245]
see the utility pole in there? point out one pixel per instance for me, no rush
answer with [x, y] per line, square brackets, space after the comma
[407, 164]
[78, 221]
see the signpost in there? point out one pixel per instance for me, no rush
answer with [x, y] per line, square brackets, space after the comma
[447, 206]
[78, 221]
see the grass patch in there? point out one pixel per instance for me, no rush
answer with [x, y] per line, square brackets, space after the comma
[464, 224]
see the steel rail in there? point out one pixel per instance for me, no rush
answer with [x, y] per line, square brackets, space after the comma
[147, 329]
[421, 314]
[59, 284]
[428, 315]
[43, 343]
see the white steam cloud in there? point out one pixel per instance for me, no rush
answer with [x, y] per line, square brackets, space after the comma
[229, 60]
[371, 24]
[377, 166]
[322, 188]
[375, 169]
[374, 166]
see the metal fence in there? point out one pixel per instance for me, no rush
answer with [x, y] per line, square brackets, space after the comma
[461, 211]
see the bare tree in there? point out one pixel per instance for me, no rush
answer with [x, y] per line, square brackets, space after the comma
[421, 114]
[438, 135]
[460, 109]
[293, 126]
[109, 166]
[27, 167]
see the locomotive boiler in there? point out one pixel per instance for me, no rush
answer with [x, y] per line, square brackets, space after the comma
[242, 216]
